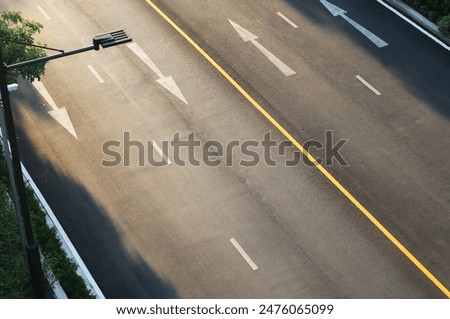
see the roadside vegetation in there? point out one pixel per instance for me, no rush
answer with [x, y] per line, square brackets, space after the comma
[14, 283]
[14, 272]
[16, 45]
[437, 11]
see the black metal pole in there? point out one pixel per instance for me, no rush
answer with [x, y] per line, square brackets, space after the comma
[105, 40]
[50, 57]
[31, 247]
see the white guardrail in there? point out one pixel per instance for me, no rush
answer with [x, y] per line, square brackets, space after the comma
[65, 242]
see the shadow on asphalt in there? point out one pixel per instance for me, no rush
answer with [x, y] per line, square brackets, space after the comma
[411, 57]
[119, 275]
[122, 275]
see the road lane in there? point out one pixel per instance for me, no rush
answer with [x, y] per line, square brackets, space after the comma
[166, 224]
[444, 182]
[178, 222]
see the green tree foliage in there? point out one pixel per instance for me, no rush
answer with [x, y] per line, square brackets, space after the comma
[442, 7]
[444, 25]
[432, 9]
[16, 38]
[437, 11]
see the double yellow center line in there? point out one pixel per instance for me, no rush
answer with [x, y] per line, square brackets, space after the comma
[283, 131]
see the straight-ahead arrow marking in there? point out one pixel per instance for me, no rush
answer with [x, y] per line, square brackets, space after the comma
[166, 81]
[59, 114]
[372, 37]
[145, 58]
[324, 171]
[336, 11]
[44, 93]
[247, 36]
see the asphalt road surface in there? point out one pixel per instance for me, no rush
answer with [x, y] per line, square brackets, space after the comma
[376, 226]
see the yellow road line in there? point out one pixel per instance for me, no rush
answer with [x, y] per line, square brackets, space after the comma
[283, 131]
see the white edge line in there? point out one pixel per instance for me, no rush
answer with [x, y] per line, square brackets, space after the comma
[243, 254]
[287, 20]
[95, 73]
[45, 14]
[367, 84]
[159, 150]
[58, 291]
[65, 239]
[414, 25]
[67, 245]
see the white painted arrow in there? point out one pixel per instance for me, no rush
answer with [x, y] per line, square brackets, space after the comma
[59, 114]
[247, 36]
[166, 81]
[336, 11]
